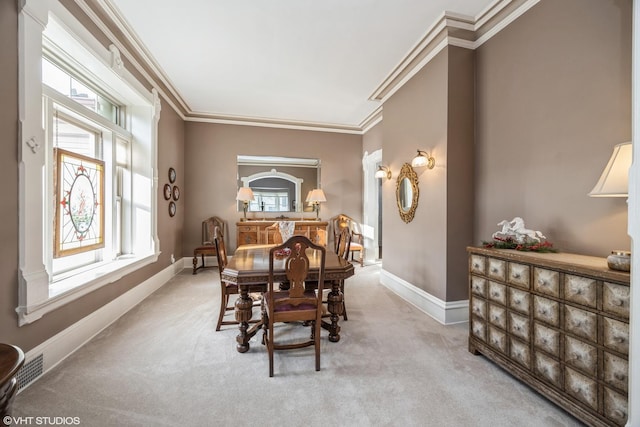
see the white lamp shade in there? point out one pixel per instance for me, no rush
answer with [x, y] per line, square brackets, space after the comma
[316, 196]
[245, 194]
[419, 161]
[614, 181]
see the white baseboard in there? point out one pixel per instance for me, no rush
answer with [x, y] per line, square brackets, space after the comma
[444, 312]
[63, 344]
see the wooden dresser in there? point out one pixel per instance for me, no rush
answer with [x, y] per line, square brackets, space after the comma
[559, 322]
[249, 232]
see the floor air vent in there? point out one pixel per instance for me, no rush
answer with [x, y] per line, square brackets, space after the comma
[30, 371]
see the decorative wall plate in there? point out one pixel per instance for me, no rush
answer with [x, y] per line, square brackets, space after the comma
[167, 191]
[176, 193]
[172, 209]
[172, 175]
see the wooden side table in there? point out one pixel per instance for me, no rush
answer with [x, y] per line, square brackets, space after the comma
[11, 360]
[202, 251]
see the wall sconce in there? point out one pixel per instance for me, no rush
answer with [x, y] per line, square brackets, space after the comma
[315, 197]
[423, 159]
[245, 195]
[383, 172]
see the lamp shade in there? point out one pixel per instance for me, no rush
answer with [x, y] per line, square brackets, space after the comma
[244, 194]
[423, 159]
[316, 196]
[614, 181]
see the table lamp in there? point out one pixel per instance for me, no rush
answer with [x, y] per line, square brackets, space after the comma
[316, 197]
[245, 195]
[614, 182]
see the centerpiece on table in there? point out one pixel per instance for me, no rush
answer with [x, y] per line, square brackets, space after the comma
[514, 235]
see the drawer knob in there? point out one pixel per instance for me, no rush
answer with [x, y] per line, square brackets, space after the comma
[620, 339]
[620, 376]
[545, 341]
[577, 356]
[494, 270]
[543, 311]
[516, 275]
[618, 302]
[517, 302]
[577, 323]
[476, 265]
[579, 292]
[542, 282]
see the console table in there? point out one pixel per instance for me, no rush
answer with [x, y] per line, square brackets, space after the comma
[559, 322]
[256, 232]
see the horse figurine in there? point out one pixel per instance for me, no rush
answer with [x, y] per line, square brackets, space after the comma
[522, 233]
[516, 231]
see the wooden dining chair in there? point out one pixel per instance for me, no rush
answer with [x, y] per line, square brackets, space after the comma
[297, 303]
[207, 248]
[228, 289]
[342, 221]
[343, 247]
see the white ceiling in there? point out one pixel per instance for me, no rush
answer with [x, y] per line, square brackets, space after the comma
[312, 61]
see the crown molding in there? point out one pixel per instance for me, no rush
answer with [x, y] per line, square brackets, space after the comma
[273, 123]
[451, 29]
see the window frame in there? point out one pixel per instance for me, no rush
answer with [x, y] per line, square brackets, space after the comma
[36, 297]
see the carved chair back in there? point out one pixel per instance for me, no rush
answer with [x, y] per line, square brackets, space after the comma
[208, 229]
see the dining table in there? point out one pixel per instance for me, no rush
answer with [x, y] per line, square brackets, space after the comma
[249, 267]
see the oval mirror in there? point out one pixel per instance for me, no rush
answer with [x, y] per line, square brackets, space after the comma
[407, 192]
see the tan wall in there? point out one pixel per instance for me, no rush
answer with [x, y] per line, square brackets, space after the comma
[416, 117]
[210, 181]
[553, 98]
[372, 140]
[170, 147]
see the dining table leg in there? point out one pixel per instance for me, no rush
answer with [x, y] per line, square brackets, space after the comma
[335, 306]
[244, 305]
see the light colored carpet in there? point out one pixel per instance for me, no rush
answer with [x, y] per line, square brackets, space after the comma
[163, 364]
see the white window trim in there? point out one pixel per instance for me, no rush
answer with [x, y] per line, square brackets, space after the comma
[275, 174]
[34, 297]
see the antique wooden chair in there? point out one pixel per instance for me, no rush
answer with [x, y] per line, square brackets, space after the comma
[343, 247]
[297, 303]
[207, 248]
[228, 289]
[341, 221]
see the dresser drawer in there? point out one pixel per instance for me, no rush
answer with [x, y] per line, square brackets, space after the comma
[498, 292]
[478, 328]
[247, 229]
[616, 335]
[498, 316]
[615, 406]
[546, 339]
[519, 300]
[479, 286]
[479, 308]
[582, 388]
[549, 369]
[519, 352]
[497, 269]
[581, 290]
[247, 238]
[518, 275]
[498, 339]
[615, 299]
[581, 355]
[581, 323]
[519, 326]
[546, 281]
[615, 371]
[477, 264]
[546, 310]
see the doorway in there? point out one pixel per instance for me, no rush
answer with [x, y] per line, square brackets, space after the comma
[372, 207]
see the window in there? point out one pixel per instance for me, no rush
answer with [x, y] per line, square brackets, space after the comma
[89, 144]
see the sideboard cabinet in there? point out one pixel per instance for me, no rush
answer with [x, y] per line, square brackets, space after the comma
[559, 322]
[261, 232]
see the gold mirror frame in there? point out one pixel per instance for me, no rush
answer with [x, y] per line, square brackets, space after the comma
[408, 173]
